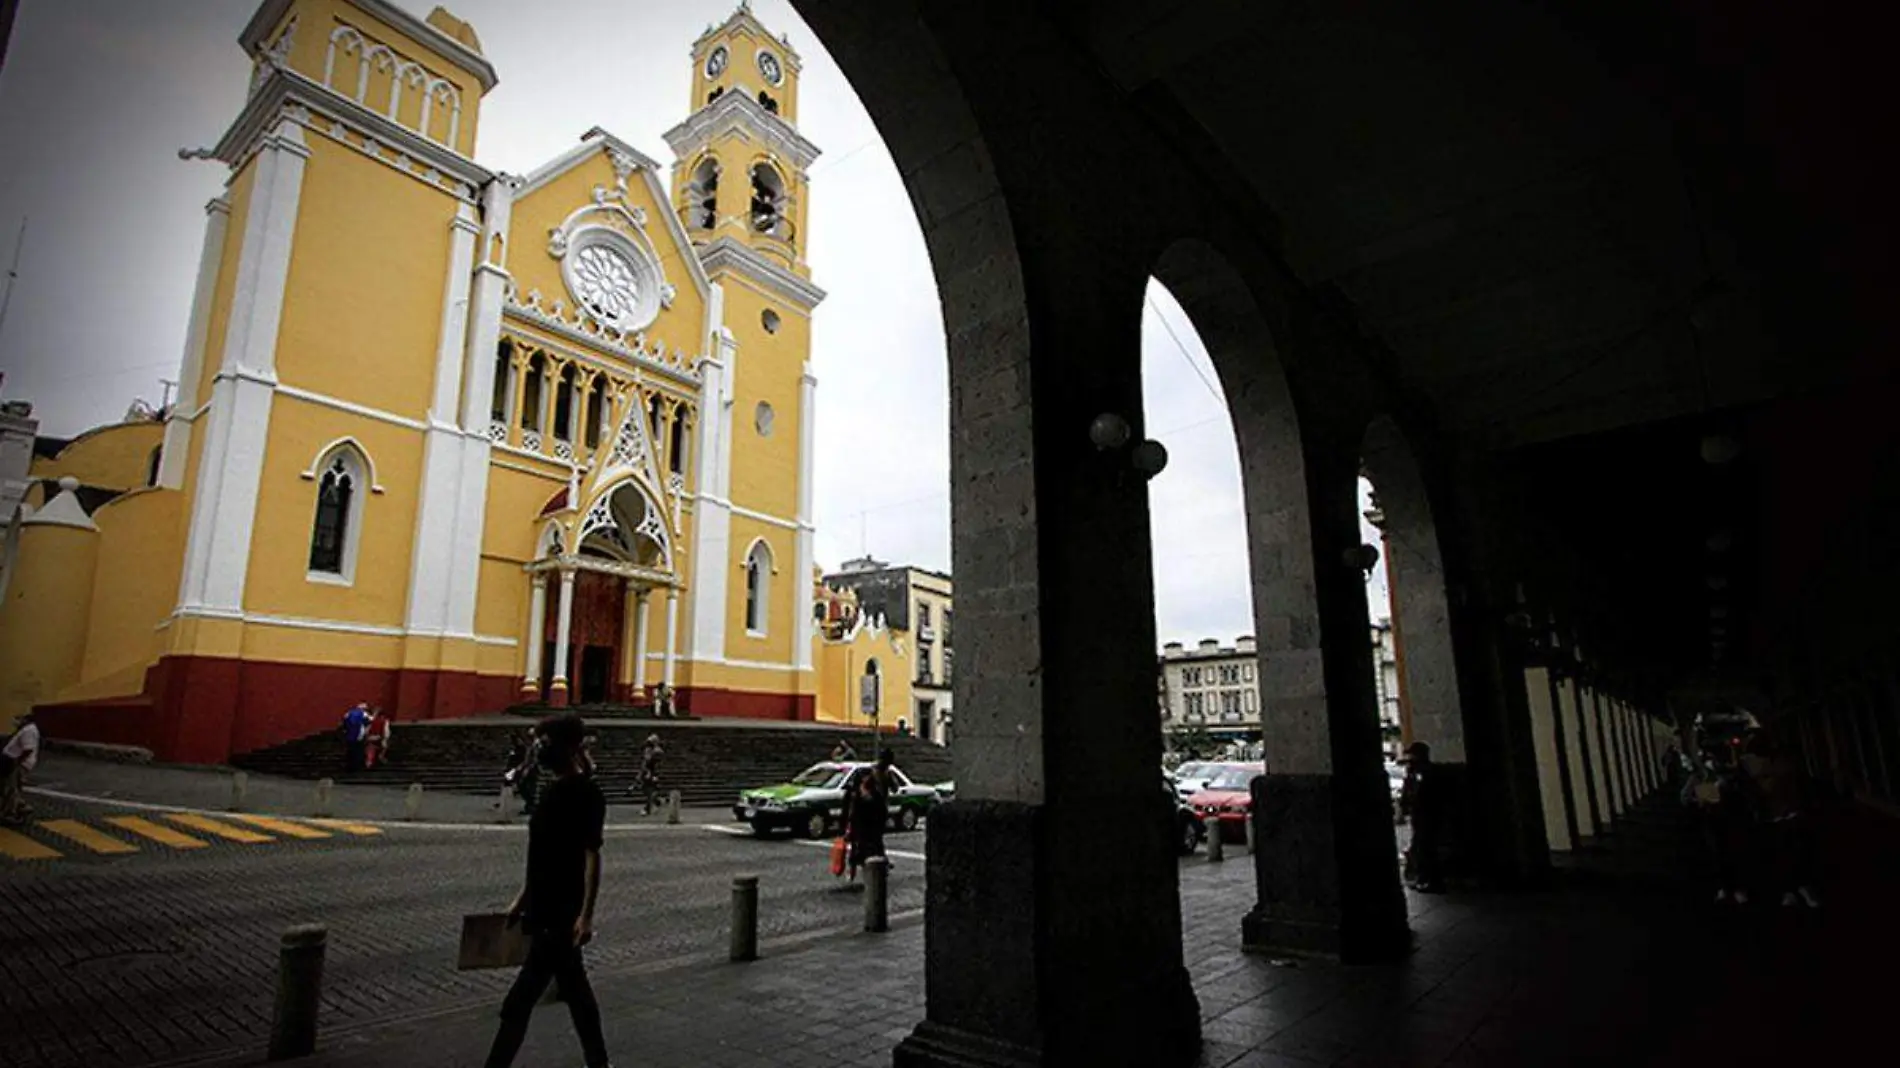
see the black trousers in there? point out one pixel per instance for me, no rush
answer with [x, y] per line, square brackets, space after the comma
[551, 957]
[353, 753]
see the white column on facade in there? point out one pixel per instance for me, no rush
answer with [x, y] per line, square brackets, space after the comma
[231, 465]
[482, 338]
[432, 558]
[537, 630]
[640, 642]
[712, 515]
[1599, 765]
[802, 626]
[672, 633]
[177, 447]
[563, 628]
[1606, 740]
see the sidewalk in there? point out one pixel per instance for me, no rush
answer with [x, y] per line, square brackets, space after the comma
[1603, 970]
[193, 787]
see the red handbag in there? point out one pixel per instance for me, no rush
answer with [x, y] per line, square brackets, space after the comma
[837, 856]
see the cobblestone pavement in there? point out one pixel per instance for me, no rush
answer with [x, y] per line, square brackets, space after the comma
[135, 958]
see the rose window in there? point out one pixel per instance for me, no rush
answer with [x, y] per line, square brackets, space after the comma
[604, 282]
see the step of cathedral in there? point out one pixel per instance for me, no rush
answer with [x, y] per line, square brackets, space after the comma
[707, 762]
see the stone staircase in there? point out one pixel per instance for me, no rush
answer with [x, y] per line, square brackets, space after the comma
[708, 761]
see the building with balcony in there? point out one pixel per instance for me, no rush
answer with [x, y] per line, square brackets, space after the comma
[1212, 688]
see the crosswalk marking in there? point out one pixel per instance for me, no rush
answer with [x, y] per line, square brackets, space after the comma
[157, 832]
[87, 836]
[283, 827]
[348, 827]
[221, 829]
[20, 847]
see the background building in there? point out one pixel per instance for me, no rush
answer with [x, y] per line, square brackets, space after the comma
[877, 616]
[1212, 687]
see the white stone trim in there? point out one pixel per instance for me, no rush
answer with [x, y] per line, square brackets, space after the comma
[351, 407]
[231, 463]
[552, 476]
[177, 445]
[727, 253]
[271, 12]
[725, 661]
[494, 639]
[310, 474]
[289, 94]
[737, 111]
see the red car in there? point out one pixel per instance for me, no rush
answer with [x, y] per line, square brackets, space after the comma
[1227, 799]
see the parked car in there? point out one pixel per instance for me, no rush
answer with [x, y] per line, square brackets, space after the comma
[1190, 778]
[1189, 831]
[1395, 776]
[946, 791]
[812, 803]
[1228, 799]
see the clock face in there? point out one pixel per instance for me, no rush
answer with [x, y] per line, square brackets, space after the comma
[768, 66]
[716, 63]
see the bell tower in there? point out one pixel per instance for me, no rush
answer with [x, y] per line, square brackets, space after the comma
[742, 163]
[740, 185]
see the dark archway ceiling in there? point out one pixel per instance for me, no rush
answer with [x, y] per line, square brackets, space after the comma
[1557, 219]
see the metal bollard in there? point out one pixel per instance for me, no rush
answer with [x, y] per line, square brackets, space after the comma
[673, 807]
[877, 891]
[502, 815]
[412, 804]
[322, 806]
[1216, 845]
[1249, 825]
[293, 1028]
[240, 785]
[745, 918]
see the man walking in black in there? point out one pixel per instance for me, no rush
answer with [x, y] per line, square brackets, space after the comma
[556, 903]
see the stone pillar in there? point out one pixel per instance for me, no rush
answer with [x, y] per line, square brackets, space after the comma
[634, 642]
[1576, 737]
[536, 638]
[563, 622]
[672, 634]
[1549, 774]
[1052, 923]
[1563, 744]
[1608, 749]
[1603, 769]
[1326, 868]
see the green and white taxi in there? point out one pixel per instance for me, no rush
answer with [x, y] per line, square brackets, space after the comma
[812, 803]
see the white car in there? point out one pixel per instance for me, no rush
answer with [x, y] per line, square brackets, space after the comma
[1191, 777]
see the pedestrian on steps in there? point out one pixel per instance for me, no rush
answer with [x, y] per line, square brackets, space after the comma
[376, 747]
[648, 787]
[556, 904]
[21, 755]
[356, 737]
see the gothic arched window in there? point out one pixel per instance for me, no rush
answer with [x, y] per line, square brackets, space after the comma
[677, 448]
[504, 391]
[564, 404]
[596, 411]
[758, 587]
[340, 485]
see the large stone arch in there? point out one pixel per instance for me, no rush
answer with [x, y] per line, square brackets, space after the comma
[1416, 570]
[1325, 868]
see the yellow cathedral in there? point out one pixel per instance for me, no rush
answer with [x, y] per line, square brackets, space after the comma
[450, 440]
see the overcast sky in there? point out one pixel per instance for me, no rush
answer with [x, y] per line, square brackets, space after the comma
[98, 96]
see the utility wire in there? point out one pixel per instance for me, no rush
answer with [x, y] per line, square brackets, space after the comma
[1182, 349]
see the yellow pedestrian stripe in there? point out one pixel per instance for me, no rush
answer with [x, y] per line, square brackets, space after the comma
[94, 840]
[157, 832]
[348, 827]
[283, 827]
[52, 839]
[222, 830]
[20, 847]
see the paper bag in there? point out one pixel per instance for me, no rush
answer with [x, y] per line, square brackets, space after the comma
[489, 942]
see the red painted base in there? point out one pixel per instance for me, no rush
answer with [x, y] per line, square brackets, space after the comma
[714, 703]
[204, 710]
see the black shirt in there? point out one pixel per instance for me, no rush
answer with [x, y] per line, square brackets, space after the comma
[565, 826]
